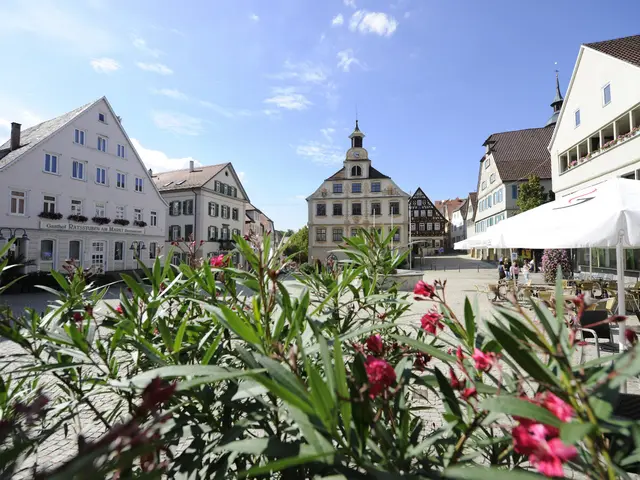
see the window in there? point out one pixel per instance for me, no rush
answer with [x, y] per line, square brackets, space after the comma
[153, 250]
[429, 213]
[78, 137]
[376, 208]
[101, 210]
[337, 209]
[321, 234]
[413, 227]
[50, 163]
[77, 170]
[102, 118]
[489, 201]
[419, 202]
[137, 214]
[153, 219]
[225, 211]
[337, 234]
[102, 144]
[76, 207]
[121, 180]
[484, 185]
[175, 208]
[576, 117]
[174, 233]
[375, 186]
[235, 232]
[225, 189]
[216, 186]
[225, 233]
[17, 202]
[356, 171]
[74, 249]
[337, 188]
[429, 226]
[187, 208]
[354, 232]
[139, 184]
[213, 209]
[118, 251]
[356, 209]
[606, 94]
[492, 178]
[356, 188]
[120, 212]
[394, 208]
[514, 191]
[188, 232]
[121, 151]
[212, 232]
[234, 214]
[321, 210]
[421, 227]
[436, 226]
[46, 250]
[49, 204]
[396, 235]
[101, 175]
[487, 162]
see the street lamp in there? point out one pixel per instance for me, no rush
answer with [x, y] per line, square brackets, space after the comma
[137, 246]
[13, 233]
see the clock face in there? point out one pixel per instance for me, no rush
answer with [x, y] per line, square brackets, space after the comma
[356, 154]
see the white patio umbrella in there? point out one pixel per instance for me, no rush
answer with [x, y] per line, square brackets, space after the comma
[604, 215]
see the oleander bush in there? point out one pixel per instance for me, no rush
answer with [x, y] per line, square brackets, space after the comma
[554, 260]
[216, 372]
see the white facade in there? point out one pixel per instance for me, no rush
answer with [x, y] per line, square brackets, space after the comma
[470, 219]
[211, 207]
[604, 91]
[358, 196]
[81, 163]
[458, 225]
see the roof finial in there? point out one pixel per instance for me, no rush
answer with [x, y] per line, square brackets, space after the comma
[356, 115]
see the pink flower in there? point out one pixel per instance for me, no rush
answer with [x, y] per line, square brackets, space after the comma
[456, 384]
[484, 361]
[358, 347]
[431, 322]
[424, 289]
[217, 262]
[467, 393]
[375, 345]
[78, 317]
[547, 455]
[558, 407]
[631, 336]
[381, 375]
[119, 309]
[459, 353]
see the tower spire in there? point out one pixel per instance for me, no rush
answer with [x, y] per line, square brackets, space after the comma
[556, 104]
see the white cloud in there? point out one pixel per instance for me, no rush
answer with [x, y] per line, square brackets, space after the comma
[23, 116]
[158, 68]
[254, 17]
[241, 176]
[320, 153]
[346, 59]
[141, 44]
[178, 123]
[288, 98]
[337, 20]
[327, 133]
[159, 161]
[171, 93]
[350, 3]
[104, 65]
[373, 22]
[306, 72]
[225, 111]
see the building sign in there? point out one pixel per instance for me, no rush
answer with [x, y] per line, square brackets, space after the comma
[76, 227]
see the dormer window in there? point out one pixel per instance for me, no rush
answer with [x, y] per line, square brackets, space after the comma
[356, 171]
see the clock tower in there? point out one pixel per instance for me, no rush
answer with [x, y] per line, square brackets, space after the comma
[357, 161]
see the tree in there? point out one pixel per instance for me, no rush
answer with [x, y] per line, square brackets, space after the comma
[531, 194]
[299, 244]
[289, 232]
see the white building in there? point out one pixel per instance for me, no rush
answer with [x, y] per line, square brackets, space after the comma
[356, 196]
[207, 202]
[598, 131]
[74, 187]
[470, 217]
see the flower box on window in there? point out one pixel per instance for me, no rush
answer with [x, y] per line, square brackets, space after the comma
[101, 220]
[77, 218]
[121, 221]
[140, 223]
[50, 215]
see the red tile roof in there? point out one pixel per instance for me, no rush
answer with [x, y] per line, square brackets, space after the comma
[626, 48]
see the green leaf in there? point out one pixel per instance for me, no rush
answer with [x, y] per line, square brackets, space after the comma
[212, 349]
[229, 375]
[343, 387]
[573, 432]
[236, 324]
[173, 371]
[449, 395]
[423, 347]
[282, 464]
[285, 395]
[177, 344]
[520, 408]
[470, 323]
[479, 473]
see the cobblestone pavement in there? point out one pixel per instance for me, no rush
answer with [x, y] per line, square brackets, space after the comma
[461, 273]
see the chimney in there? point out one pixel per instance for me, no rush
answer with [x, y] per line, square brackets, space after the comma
[150, 173]
[119, 118]
[191, 165]
[15, 136]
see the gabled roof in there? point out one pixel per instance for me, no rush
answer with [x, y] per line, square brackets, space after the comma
[32, 136]
[473, 197]
[186, 178]
[250, 207]
[447, 207]
[626, 49]
[521, 153]
[373, 173]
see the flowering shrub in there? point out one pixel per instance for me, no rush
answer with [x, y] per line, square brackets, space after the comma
[226, 373]
[551, 261]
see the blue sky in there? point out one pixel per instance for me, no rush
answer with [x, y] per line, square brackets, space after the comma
[272, 85]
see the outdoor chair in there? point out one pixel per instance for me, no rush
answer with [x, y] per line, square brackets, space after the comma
[596, 290]
[546, 296]
[597, 332]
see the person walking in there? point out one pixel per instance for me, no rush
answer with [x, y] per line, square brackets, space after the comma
[525, 271]
[501, 271]
[515, 271]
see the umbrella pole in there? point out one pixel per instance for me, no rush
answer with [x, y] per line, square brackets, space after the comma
[621, 297]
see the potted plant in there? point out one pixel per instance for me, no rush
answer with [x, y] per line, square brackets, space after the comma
[50, 215]
[140, 223]
[77, 218]
[101, 220]
[121, 221]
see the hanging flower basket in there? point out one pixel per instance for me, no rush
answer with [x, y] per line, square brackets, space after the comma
[140, 223]
[121, 221]
[50, 215]
[77, 218]
[101, 220]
